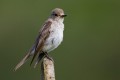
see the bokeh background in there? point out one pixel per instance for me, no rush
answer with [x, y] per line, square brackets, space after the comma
[91, 46]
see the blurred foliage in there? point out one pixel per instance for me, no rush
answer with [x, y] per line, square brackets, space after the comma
[91, 46]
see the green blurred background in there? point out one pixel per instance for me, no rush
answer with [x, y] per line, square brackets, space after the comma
[91, 46]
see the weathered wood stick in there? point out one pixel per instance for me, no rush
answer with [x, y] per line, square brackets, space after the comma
[47, 69]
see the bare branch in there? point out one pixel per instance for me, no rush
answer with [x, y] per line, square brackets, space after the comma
[47, 69]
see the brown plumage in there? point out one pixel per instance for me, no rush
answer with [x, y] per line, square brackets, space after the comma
[43, 34]
[49, 38]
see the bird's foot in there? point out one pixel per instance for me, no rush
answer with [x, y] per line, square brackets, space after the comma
[49, 57]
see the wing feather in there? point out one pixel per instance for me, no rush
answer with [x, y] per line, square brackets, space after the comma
[43, 35]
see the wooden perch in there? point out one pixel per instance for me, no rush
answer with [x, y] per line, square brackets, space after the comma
[47, 69]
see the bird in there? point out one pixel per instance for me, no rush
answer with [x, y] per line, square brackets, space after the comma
[49, 38]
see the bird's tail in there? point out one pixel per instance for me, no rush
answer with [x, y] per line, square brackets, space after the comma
[40, 57]
[22, 61]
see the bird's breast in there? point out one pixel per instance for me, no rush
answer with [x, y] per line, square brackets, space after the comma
[55, 37]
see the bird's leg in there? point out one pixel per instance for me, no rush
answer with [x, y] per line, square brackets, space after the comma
[48, 56]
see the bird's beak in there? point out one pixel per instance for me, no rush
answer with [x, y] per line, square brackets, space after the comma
[63, 15]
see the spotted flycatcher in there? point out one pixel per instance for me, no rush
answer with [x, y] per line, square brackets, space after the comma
[49, 37]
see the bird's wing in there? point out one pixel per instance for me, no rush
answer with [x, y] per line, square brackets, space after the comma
[43, 35]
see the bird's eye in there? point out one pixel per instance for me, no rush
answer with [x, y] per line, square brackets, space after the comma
[55, 14]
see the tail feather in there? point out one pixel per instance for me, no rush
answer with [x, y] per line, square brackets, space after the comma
[22, 61]
[41, 55]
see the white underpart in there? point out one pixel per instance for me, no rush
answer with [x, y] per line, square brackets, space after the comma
[56, 36]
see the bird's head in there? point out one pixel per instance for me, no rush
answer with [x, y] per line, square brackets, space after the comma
[57, 14]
